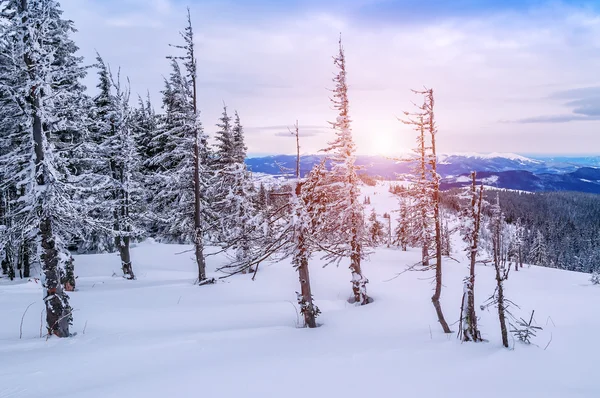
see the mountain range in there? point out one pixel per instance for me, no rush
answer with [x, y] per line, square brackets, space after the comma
[501, 170]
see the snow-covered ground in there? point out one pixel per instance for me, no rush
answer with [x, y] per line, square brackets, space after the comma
[161, 336]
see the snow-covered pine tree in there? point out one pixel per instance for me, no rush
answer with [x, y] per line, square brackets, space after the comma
[388, 231]
[120, 193]
[470, 226]
[376, 229]
[233, 190]
[291, 229]
[239, 146]
[426, 192]
[182, 177]
[595, 278]
[403, 225]
[538, 254]
[345, 211]
[497, 227]
[43, 80]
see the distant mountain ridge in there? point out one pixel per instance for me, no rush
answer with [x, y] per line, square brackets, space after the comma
[504, 170]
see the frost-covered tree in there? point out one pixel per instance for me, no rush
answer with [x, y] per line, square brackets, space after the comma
[43, 81]
[538, 254]
[426, 193]
[182, 177]
[403, 225]
[345, 211]
[498, 230]
[120, 192]
[239, 146]
[233, 190]
[376, 229]
[291, 234]
[469, 228]
[595, 278]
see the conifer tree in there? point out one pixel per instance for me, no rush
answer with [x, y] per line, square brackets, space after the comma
[426, 193]
[345, 211]
[538, 254]
[470, 227]
[181, 157]
[120, 201]
[376, 232]
[43, 78]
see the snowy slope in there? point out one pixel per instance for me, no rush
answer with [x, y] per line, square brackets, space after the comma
[161, 336]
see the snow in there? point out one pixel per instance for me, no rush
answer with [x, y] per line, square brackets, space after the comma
[493, 155]
[490, 180]
[161, 336]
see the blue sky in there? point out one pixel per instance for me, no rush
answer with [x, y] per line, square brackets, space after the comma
[510, 76]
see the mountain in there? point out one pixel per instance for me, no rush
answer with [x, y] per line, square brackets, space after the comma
[585, 179]
[449, 164]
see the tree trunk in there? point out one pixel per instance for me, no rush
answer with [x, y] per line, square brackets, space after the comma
[359, 282]
[501, 309]
[436, 215]
[58, 312]
[305, 300]
[26, 261]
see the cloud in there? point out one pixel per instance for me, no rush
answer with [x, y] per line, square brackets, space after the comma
[584, 103]
[272, 62]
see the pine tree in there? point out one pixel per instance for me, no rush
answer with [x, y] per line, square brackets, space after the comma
[43, 80]
[345, 210]
[497, 228]
[192, 165]
[376, 233]
[538, 254]
[470, 227]
[233, 190]
[239, 147]
[121, 199]
[426, 193]
[403, 227]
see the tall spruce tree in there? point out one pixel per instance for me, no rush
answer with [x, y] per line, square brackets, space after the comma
[120, 200]
[469, 228]
[182, 153]
[43, 79]
[345, 210]
[426, 193]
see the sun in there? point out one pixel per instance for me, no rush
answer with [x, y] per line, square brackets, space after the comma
[382, 143]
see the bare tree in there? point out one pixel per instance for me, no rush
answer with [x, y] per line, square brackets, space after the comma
[470, 226]
[428, 191]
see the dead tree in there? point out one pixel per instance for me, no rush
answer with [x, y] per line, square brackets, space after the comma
[290, 227]
[470, 226]
[501, 266]
[428, 191]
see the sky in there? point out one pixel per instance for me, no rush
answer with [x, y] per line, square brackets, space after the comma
[508, 75]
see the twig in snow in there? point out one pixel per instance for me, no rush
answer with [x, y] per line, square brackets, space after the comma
[550, 320]
[41, 321]
[85, 326]
[296, 311]
[548, 342]
[179, 300]
[430, 334]
[23, 317]
[185, 251]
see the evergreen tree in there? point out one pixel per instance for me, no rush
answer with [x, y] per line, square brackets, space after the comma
[181, 158]
[120, 193]
[345, 211]
[538, 254]
[43, 79]
[376, 232]
[470, 228]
